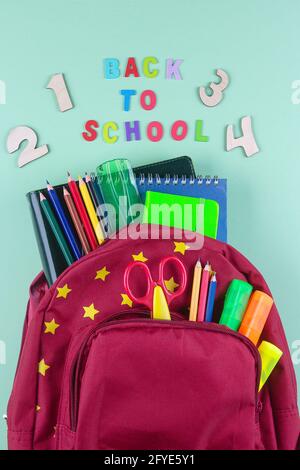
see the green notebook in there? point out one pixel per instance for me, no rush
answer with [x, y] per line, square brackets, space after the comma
[187, 213]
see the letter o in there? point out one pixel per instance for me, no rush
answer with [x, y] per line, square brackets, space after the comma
[159, 131]
[176, 135]
[151, 100]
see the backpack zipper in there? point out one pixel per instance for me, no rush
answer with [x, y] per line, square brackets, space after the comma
[75, 367]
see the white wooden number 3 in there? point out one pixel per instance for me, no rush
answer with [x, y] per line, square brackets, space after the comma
[31, 152]
[217, 90]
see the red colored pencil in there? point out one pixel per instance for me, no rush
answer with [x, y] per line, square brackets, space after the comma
[76, 221]
[82, 212]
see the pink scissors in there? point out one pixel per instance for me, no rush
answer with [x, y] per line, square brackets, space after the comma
[157, 297]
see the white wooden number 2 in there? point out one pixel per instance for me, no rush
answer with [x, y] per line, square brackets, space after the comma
[31, 152]
[58, 85]
[217, 90]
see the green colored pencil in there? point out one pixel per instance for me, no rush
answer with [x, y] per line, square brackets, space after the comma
[56, 229]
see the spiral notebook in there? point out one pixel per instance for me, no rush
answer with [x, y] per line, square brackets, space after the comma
[199, 187]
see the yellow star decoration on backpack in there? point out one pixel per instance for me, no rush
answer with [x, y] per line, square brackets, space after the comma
[90, 312]
[63, 291]
[140, 257]
[126, 300]
[51, 326]
[43, 367]
[180, 247]
[102, 274]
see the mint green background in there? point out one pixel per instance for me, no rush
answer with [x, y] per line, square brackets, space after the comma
[256, 41]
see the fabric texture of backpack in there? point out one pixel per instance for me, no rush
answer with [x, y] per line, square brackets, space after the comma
[95, 372]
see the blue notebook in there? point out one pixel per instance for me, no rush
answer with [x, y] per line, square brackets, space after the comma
[208, 188]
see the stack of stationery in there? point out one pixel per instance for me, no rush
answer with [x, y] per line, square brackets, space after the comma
[69, 220]
[66, 223]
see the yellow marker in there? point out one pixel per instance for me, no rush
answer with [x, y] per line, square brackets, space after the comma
[160, 310]
[91, 210]
[269, 355]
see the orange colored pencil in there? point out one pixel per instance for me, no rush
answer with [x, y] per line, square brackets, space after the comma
[76, 221]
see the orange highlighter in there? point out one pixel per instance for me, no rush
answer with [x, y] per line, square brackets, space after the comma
[256, 315]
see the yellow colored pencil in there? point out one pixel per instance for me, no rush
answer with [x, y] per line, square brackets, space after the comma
[195, 291]
[91, 210]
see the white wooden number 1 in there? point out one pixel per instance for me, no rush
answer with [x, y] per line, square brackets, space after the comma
[31, 152]
[217, 90]
[58, 85]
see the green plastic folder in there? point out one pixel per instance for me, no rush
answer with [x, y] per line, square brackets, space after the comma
[187, 213]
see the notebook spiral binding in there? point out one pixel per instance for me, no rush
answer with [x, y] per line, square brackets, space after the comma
[156, 179]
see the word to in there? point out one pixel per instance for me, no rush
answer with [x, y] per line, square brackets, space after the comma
[148, 68]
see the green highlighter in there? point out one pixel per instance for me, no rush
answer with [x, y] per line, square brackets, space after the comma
[236, 301]
[183, 212]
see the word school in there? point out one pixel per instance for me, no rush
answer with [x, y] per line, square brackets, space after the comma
[154, 131]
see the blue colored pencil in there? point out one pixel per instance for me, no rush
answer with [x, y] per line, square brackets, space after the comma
[211, 299]
[63, 220]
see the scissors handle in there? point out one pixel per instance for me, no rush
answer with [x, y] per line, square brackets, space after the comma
[147, 298]
[182, 279]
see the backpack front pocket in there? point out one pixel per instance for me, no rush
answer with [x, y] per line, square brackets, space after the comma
[144, 384]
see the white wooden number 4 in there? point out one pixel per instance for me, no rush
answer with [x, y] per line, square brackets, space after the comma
[246, 141]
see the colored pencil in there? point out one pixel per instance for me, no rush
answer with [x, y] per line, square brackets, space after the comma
[95, 200]
[91, 210]
[64, 221]
[203, 292]
[211, 298]
[195, 291]
[82, 212]
[56, 229]
[96, 188]
[89, 183]
[76, 221]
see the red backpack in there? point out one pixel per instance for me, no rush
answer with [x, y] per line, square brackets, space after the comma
[95, 372]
